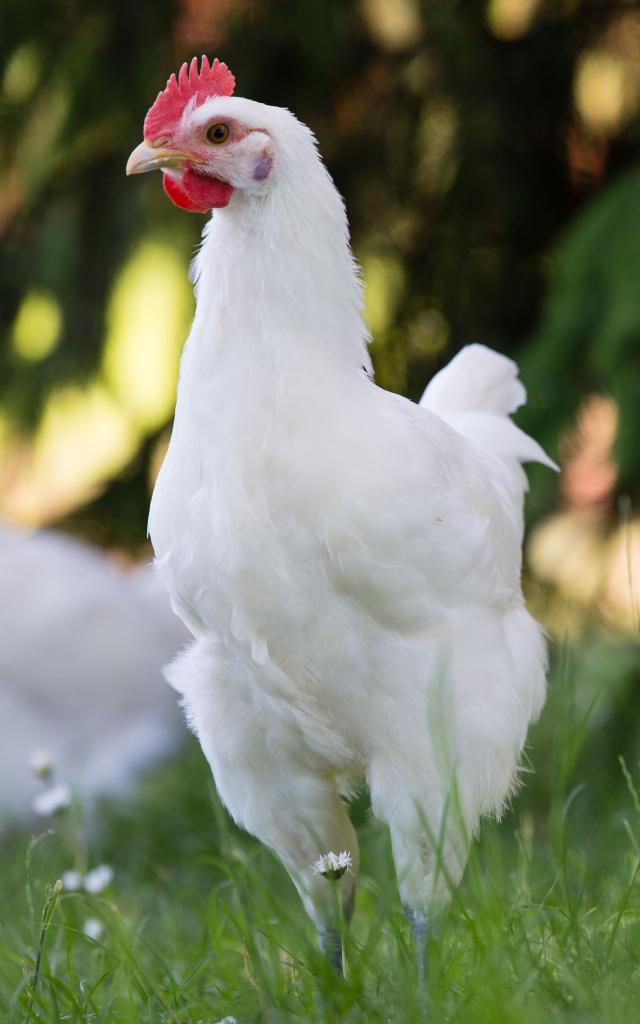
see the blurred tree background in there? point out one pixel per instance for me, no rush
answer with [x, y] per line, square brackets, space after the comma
[487, 152]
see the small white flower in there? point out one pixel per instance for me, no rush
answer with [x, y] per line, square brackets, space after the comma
[93, 928]
[72, 881]
[333, 865]
[55, 799]
[41, 764]
[98, 879]
[227, 1020]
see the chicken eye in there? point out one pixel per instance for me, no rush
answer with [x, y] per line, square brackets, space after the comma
[218, 133]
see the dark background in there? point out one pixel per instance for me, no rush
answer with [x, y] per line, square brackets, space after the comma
[487, 153]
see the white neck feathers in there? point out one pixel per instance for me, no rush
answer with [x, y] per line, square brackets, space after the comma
[275, 277]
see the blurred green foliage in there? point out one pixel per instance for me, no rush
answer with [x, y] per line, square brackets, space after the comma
[484, 205]
[589, 336]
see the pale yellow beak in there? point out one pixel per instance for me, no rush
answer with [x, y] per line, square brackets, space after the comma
[150, 158]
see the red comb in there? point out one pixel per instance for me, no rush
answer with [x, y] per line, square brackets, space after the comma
[192, 83]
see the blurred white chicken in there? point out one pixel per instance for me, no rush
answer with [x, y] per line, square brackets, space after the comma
[82, 648]
[348, 562]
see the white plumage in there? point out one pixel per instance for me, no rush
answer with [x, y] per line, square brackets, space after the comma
[348, 562]
[82, 648]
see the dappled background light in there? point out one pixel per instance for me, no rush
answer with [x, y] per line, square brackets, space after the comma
[488, 154]
[488, 158]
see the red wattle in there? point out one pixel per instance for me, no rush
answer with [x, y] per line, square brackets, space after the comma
[197, 193]
[178, 195]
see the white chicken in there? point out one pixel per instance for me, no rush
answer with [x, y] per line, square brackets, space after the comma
[347, 561]
[82, 648]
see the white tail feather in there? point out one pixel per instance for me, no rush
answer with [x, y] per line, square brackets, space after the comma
[475, 393]
[476, 380]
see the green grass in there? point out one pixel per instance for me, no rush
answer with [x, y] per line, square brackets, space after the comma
[202, 923]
